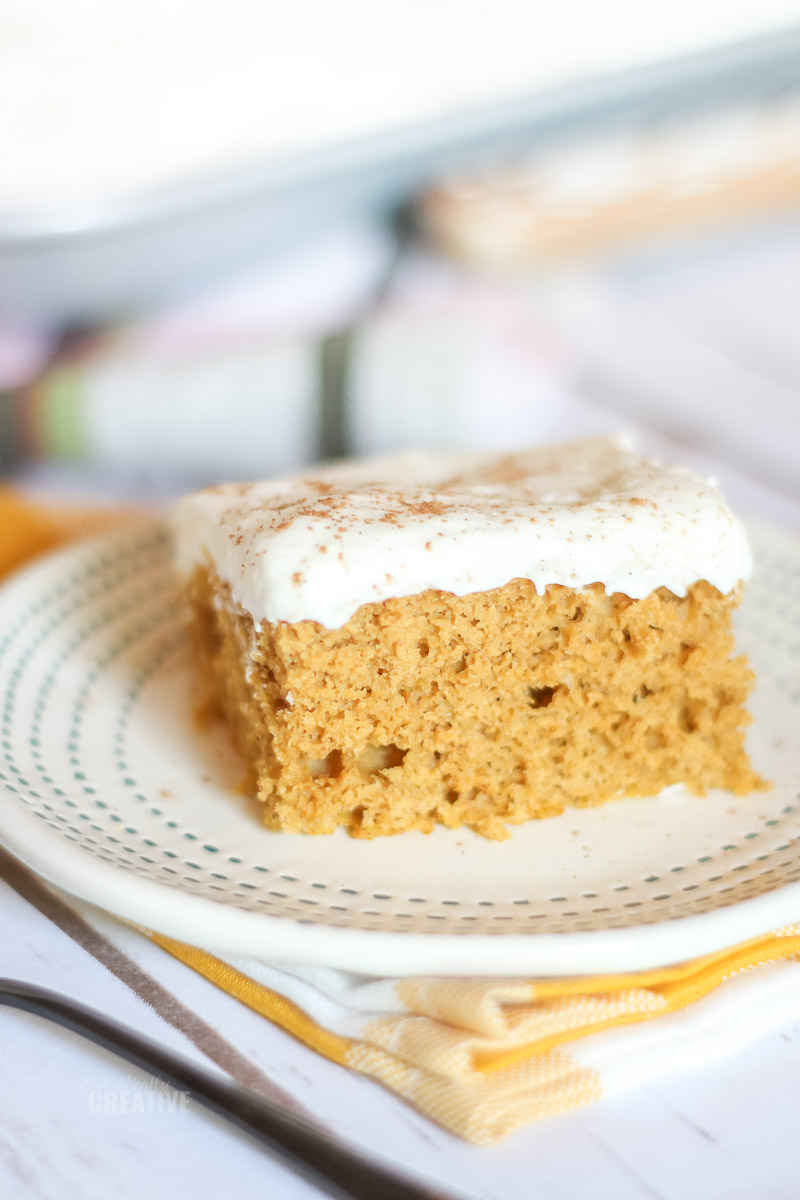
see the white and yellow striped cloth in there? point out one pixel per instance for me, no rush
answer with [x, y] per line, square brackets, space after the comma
[484, 1057]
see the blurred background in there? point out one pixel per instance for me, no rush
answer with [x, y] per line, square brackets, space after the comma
[239, 237]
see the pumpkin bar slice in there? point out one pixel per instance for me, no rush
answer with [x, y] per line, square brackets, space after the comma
[469, 639]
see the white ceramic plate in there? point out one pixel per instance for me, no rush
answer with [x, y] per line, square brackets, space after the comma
[114, 793]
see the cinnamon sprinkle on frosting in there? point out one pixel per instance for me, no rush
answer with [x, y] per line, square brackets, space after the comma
[578, 514]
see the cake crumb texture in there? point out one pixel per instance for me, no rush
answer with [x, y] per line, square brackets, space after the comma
[483, 710]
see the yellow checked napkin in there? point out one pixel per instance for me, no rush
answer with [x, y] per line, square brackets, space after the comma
[485, 1056]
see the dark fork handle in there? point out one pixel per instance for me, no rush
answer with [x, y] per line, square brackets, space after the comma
[328, 1164]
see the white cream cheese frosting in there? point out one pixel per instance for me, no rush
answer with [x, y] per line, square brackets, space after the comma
[318, 546]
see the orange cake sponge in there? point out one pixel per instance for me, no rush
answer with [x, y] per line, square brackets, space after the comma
[473, 641]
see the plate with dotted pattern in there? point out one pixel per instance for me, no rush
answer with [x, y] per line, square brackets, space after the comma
[114, 792]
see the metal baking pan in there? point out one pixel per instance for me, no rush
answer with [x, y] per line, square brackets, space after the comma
[111, 261]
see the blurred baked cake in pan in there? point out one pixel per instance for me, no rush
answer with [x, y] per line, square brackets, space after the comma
[611, 191]
[471, 640]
